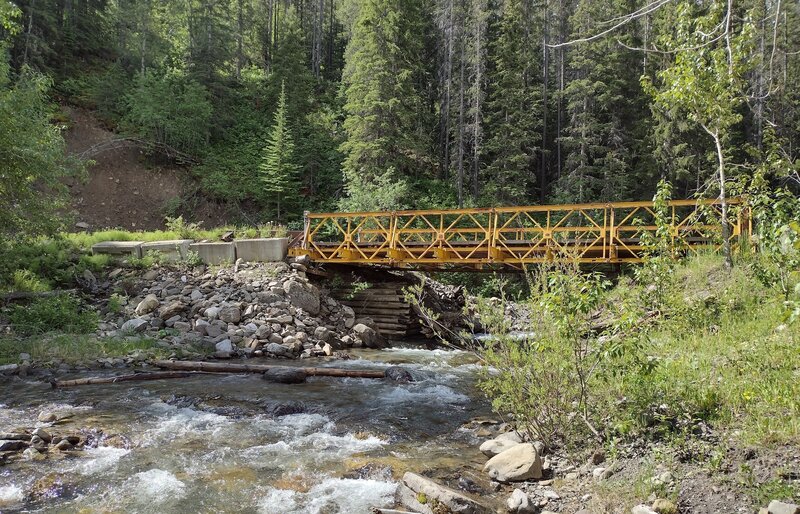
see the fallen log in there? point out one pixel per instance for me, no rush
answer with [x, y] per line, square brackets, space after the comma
[136, 377]
[225, 367]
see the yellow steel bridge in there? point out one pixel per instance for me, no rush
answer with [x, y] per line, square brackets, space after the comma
[510, 237]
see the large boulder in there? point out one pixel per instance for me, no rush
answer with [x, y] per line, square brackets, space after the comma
[147, 305]
[423, 495]
[367, 335]
[518, 463]
[303, 296]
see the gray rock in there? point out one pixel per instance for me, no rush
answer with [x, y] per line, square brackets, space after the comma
[277, 349]
[12, 446]
[134, 326]
[519, 503]
[211, 313]
[285, 376]
[224, 346]
[304, 296]
[397, 374]
[213, 331]
[518, 463]
[492, 447]
[423, 495]
[32, 454]
[196, 295]
[148, 305]
[230, 314]
[512, 436]
[42, 434]
[63, 445]
[47, 417]
[24, 357]
[779, 507]
[9, 369]
[275, 338]
[263, 332]
[327, 349]
[367, 335]
[173, 309]
[642, 509]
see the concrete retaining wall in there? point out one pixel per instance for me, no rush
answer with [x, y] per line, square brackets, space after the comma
[272, 249]
[126, 248]
[262, 250]
[173, 250]
[215, 253]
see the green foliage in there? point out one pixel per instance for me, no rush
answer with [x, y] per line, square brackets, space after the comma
[186, 230]
[514, 107]
[55, 313]
[32, 157]
[74, 348]
[383, 103]
[26, 280]
[659, 254]
[170, 109]
[278, 169]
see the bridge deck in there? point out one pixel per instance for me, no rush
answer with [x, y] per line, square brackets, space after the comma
[514, 236]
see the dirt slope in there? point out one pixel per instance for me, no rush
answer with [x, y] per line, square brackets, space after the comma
[123, 190]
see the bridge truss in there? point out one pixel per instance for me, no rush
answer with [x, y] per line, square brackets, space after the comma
[510, 237]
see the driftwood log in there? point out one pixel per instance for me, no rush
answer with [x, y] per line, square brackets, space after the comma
[225, 367]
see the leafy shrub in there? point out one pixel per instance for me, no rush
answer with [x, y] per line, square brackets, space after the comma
[26, 280]
[61, 312]
[185, 229]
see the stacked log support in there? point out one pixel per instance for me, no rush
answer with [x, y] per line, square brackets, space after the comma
[385, 304]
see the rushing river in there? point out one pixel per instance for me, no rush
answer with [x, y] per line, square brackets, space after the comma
[239, 444]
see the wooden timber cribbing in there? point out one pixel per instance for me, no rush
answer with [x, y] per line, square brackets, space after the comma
[385, 304]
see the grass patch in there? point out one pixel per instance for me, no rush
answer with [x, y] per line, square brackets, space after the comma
[56, 313]
[724, 355]
[72, 349]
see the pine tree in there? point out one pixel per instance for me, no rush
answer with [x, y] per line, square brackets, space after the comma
[278, 168]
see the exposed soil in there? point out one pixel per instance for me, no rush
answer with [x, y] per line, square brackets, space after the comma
[124, 189]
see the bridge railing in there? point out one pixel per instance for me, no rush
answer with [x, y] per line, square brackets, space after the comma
[513, 236]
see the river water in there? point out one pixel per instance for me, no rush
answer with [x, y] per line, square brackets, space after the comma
[239, 444]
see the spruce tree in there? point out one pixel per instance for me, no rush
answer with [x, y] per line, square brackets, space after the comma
[278, 168]
[513, 108]
[386, 138]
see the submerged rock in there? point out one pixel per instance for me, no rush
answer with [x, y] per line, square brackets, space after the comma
[286, 408]
[285, 376]
[398, 374]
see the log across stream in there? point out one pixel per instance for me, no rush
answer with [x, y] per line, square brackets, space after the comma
[185, 369]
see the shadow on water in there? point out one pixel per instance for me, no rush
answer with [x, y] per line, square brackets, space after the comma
[236, 443]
